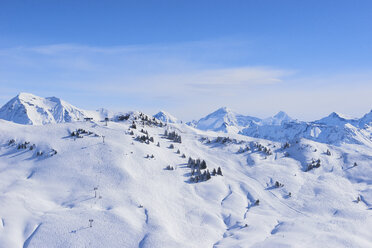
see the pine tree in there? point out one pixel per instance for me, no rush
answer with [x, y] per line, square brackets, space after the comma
[203, 165]
[208, 175]
[219, 172]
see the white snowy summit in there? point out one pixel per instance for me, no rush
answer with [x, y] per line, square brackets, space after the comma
[165, 117]
[29, 109]
[336, 119]
[366, 120]
[226, 120]
[280, 118]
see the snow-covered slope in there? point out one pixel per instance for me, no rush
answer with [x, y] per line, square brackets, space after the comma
[366, 120]
[165, 117]
[47, 200]
[29, 109]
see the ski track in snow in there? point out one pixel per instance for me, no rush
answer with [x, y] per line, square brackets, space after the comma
[28, 240]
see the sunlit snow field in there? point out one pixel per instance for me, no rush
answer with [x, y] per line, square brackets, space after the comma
[48, 200]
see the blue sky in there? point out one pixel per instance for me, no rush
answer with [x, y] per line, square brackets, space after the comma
[308, 58]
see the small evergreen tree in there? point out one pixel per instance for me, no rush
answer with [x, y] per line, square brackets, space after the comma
[208, 175]
[219, 172]
[203, 165]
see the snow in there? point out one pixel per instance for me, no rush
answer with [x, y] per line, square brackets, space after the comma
[280, 118]
[165, 117]
[48, 200]
[225, 120]
[336, 119]
[29, 109]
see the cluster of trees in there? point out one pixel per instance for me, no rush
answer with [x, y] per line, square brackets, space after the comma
[123, 117]
[145, 139]
[169, 167]
[197, 166]
[313, 164]
[224, 140]
[148, 156]
[141, 118]
[242, 150]
[262, 148]
[149, 121]
[24, 145]
[79, 132]
[278, 184]
[173, 136]
[205, 176]
[286, 145]
[27, 145]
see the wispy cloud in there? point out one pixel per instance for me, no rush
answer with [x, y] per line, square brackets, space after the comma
[189, 79]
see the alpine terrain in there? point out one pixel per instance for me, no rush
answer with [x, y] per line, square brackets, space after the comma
[70, 178]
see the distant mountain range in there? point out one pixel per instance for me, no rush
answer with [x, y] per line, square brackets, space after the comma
[29, 109]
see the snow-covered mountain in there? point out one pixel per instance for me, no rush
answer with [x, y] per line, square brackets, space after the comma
[135, 182]
[84, 184]
[333, 129]
[280, 118]
[225, 120]
[165, 117]
[336, 119]
[29, 109]
[366, 120]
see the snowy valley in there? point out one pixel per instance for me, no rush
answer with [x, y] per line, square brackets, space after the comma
[76, 178]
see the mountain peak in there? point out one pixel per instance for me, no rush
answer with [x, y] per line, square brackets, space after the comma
[336, 119]
[30, 109]
[25, 96]
[278, 119]
[226, 120]
[165, 117]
